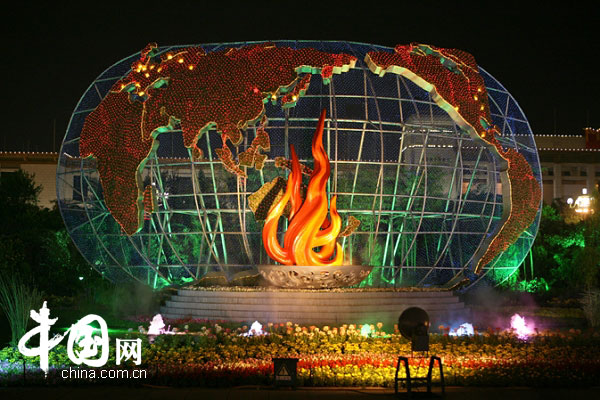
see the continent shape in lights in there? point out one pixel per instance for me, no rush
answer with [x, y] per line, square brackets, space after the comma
[452, 78]
[307, 216]
[225, 90]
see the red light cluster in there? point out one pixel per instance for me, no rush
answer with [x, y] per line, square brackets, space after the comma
[194, 91]
[226, 156]
[282, 162]
[107, 136]
[252, 156]
[453, 80]
[526, 195]
[592, 138]
[290, 99]
[226, 90]
[450, 75]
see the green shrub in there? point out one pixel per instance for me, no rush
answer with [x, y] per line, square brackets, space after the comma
[16, 300]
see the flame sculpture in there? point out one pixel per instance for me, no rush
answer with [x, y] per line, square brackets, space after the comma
[309, 228]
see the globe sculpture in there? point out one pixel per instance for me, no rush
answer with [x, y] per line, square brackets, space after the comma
[175, 160]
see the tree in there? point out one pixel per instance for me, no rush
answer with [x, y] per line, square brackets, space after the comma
[588, 257]
[18, 189]
[34, 243]
[567, 250]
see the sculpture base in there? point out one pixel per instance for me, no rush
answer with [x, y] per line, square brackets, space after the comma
[313, 306]
[314, 277]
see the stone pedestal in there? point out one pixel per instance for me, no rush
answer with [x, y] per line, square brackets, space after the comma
[318, 307]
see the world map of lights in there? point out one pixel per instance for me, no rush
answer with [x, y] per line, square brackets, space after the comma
[235, 108]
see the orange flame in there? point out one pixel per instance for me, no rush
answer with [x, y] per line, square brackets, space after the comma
[309, 227]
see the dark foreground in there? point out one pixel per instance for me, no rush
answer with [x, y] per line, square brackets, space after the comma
[152, 393]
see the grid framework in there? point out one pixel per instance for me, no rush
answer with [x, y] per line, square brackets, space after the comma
[427, 194]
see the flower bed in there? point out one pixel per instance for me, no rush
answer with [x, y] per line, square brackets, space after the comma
[341, 356]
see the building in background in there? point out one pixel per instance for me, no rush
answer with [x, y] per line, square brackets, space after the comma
[569, 164]
[41, 164]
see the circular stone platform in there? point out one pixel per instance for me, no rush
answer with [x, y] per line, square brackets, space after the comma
[314, 277]
[319, 307]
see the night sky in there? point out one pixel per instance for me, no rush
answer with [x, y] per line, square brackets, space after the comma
[52, 53]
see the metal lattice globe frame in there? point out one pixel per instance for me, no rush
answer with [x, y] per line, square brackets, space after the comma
[427, 194]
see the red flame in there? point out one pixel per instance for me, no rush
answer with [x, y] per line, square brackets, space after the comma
[309, 226]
